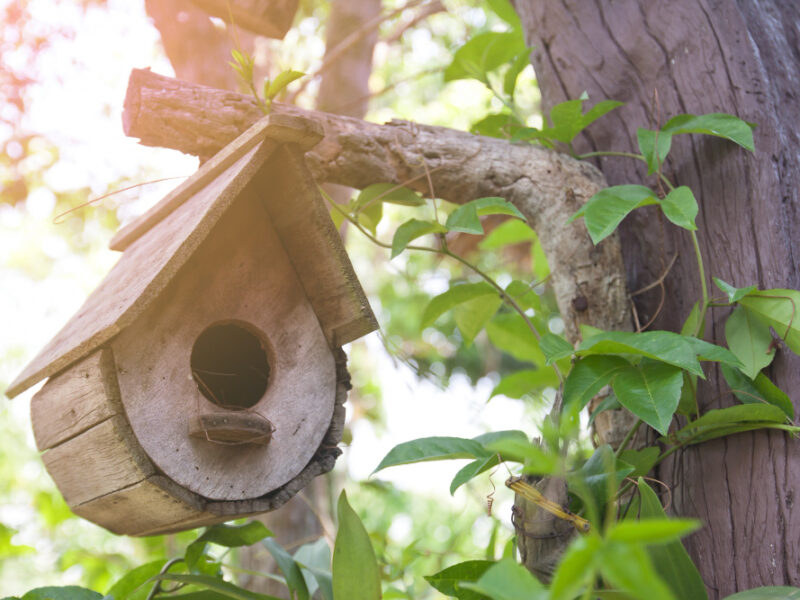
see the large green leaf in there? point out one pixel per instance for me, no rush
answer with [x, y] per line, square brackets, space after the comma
[67, 592]
[448, 581]
[432, 448]
[510, 333]
[779, 309]
[651, 530]
[484, 53]
[527, 381]
[508, 580]
[663, 346]
[758, 390]
[466, 218]
[653, 156]
[230, 536]
[411, 230]
[716, 124]
[604, 211]
[290, 569]
[471, 316]
[642, 460]
[225, 588]
[651, 391]
[555, 347]
[596, 482]
[314, 560]
[534, 458]
[767, 593]
[671, 560]
[629, 568]
[512, 231]
[453, 297]
[356, 575]
[750, 340]
[577, 568]
[523, 294]
[472, 470]
[568, 120]
[387, 192]
[134, 579]
[590, 375]
[681, 208]
[734, 419]
[504, 10]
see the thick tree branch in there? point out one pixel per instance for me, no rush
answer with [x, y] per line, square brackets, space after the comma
[546, 186]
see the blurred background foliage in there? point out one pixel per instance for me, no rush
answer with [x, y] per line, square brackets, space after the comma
[63, 78]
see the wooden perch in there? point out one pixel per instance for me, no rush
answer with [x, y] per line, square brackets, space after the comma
[547, 187]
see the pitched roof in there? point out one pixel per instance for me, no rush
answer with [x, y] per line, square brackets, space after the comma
[160, 242]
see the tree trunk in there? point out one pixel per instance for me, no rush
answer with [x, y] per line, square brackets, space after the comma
[694, 56]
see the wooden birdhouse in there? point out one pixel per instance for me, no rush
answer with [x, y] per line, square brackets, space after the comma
[203, 380]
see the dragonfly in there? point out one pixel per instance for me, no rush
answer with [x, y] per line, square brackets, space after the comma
[531, 494]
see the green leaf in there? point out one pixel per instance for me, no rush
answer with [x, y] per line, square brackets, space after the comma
[456, 295]
[778, 308]
[663, 346]
[651, 391]
[471, 316]
[734, 419]
[508, 580]
[411, 230]
[648, 140]
[734, 294]
[448, 581]
[510, 333]
[67, 592]
[671, 560]
[370, 216]
[466, 218]
[610, 402]
[484, 53]
[568, 121]
[134, 579]
[472, 470]
[519, 64]
[388, 192]
[750, 340]
[291, 571]
[760, 390]
[507, 233]
[534, 459]
[628, 567]
[716, 124]
[230, 536]
[498, 125]
[767, 593]
[693, 324]
[555, 347]
[680, 207]
[504, 10]
[589, 376]
[604, 211]
[314, 560]
[217, 585]
[711, 352]
[356, 575]
[642, 460]
[597, 480]
[280, 82]
[523, 294]
[577, 568]
[522, 383]
[651, 530]
[431, 448]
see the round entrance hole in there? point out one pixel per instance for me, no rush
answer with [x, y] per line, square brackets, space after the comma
[229, 365]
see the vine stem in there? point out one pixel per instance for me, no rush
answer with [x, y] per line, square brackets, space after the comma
[610, 153]
[628, 438]
[474, 268]
[703, 285]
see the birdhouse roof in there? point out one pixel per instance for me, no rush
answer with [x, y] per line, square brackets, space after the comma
[158, 244]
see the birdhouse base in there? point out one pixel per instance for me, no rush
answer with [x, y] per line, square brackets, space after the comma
[104, 475]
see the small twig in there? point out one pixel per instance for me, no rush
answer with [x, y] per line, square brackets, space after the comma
[426, 11]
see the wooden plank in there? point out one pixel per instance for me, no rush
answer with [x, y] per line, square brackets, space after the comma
[97, 462]
[153, 504]
[270, 18]
[320, 260]
[241, 274]
[277, 127]
[142, 272]
[75, 400]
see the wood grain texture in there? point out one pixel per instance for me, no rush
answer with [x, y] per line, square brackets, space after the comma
[270, 18]
[75, 400]
[701, 57]
[320, 260]
[140, 275]
[240, 274]
[545, 185]
[97, 462]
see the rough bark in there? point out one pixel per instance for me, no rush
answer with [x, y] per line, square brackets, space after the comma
[701, 57]
[546, 186]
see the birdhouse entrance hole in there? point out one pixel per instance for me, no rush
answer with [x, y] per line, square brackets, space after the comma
[230, 365]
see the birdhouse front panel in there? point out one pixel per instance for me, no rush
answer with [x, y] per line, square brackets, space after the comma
[203, 379]
[232, 333]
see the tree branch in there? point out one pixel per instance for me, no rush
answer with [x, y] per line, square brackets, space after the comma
[546, 186]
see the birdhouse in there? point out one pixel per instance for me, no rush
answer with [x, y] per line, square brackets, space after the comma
[203, 380]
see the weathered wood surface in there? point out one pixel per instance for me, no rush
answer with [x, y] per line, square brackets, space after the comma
[735, 57]
[140, 276]
[75, 400]
[545, 185]
[270, 18]
[240, 273]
